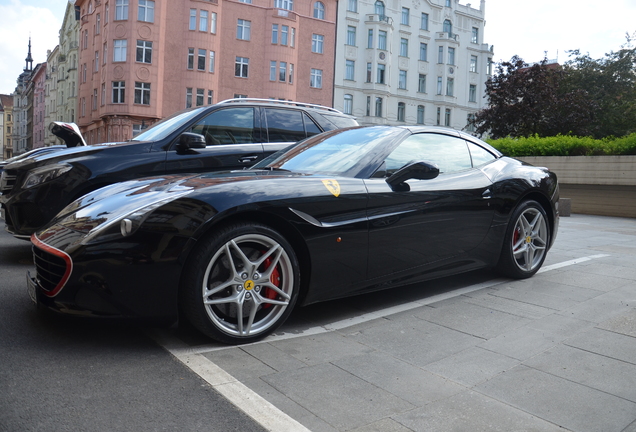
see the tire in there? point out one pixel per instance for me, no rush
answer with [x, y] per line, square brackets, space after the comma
[526, 242]
[240, 284]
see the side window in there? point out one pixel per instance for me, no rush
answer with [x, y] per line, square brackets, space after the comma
[310, 126]
[480, 155]
[284, 125]
[448, 153]
[227, 126]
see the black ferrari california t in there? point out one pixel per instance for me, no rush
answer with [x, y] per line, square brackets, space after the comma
[342, 213]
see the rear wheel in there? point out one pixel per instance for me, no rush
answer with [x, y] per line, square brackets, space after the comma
[526, 242]
[240, 284]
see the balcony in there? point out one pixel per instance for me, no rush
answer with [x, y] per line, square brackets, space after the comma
[379, 18]
[446, 35]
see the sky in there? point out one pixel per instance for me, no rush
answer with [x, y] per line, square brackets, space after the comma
[531, 29]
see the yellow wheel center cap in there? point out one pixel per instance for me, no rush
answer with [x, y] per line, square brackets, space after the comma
[249, 284]
[528, 239]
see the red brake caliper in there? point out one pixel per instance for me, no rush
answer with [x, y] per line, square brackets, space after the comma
[275, 279]
[515, 236]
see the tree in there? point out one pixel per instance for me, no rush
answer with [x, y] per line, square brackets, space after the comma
[529, 100]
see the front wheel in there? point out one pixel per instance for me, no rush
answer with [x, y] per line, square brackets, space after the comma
[526, 242]
[240, 284]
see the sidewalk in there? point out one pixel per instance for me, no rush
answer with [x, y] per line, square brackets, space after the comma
[467, 353]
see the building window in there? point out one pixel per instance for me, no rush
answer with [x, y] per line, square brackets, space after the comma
[447, 117]
[193, 19]
[405, 16]
[142, 93]
[274, 33]
[404, 47]
[440, 55]
[316, 78]
[402, 80]
[213, 23]
[103, 94]
[203, 21]
[380, 73]
[424, 21]
[423, 51]
[241, 67]
[489, 67]
[212, 61]
[472, 93]
[93, 100]
[350, 70]
[470, 123]
[450, 86]
[98, 23]
[447, 3]
[439, 85]
[447, 28]
[368, 110]
[284, 32]
[96, 65]
[421, 84]
[210, 96]
[319, 10]
[351, 35]
[243, 29]
[121, 9]
[188, 97]
[451, 56]
[272, 70]
[85, 41]
[473, 63]
[317, 43]
[144, 51]
[119, 50]
[439, 111]
[370, 39]
[201, 59]
[282, 72]
[119, 92]
[105, 56]
[190, 58]
[352, 6]
[284, 4]
[420, 114]
[348, 104]
[401, 113]
[379, 9]
[200, 95]
[292, 43]
[291, 73]
[378, 107]
[382, 39]
[475, 35]
[369, 71]
[146, 11]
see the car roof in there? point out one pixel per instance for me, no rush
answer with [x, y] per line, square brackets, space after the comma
[282, 103]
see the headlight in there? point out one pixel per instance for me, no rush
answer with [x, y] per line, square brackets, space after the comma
[45, 173]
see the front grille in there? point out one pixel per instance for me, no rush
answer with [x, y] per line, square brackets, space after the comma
[7, 182]
[52, 270]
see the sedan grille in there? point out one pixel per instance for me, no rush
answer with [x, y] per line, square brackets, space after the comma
[7, 182]
[53, 267]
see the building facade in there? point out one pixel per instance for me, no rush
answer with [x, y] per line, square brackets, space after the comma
[37, 92]
[21, 135]
[6, 102]
[143, 60]
[411, 62]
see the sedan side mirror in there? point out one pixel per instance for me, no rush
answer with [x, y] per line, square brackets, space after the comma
[189, 140]
[417, 170]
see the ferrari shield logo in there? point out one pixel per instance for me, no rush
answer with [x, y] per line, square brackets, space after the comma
[332, 186]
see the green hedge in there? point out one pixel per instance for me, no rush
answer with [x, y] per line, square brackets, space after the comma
[562, 145]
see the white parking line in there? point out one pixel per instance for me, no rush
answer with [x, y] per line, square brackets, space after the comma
[259, 409]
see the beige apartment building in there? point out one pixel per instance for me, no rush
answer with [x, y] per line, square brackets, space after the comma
[6, 105]
[143, 60]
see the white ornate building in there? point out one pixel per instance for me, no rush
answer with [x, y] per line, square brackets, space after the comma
[411, 61]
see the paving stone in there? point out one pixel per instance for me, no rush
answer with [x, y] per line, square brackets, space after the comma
[584, 280]
[273, 357]
[384, 425]
[526, 310]
[623, 324]
[567, 404]
[474, 412]
[336, 396]
[407, 382]
[612, 376]
[472, 366]
[321, 348]
[603, 307]
[238, 363]
[607, 343]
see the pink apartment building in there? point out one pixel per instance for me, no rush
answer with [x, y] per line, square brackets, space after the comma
[38, 83]
[143, 60]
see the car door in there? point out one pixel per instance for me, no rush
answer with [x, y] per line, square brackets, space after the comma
[285, 126]
[434, 220]
[233, 141]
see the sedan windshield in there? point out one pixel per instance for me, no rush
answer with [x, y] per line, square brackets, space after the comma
[341, 152]
[165, 127]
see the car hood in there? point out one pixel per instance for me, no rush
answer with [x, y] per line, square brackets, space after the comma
[68, 132]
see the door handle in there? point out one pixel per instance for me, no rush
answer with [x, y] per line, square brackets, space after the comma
[486, 194]
[247, 159]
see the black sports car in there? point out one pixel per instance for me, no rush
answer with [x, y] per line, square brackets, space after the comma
[344, 212]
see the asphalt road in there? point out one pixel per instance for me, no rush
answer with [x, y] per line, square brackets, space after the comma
[69, 375]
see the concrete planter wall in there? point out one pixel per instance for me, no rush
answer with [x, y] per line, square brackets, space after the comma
[599, 185]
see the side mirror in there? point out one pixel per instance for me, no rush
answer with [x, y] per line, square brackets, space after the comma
[417, 170]
[189, 140]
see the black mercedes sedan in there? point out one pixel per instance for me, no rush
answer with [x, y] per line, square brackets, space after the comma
[342, 213]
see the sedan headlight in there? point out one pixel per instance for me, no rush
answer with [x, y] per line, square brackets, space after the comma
[45, 173]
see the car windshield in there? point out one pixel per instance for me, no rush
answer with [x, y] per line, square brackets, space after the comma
[342, 152]
[165, 127]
